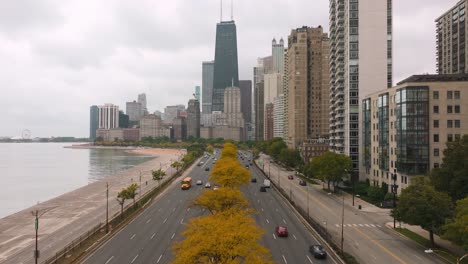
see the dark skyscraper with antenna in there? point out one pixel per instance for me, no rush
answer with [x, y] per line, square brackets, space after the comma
[226, 73]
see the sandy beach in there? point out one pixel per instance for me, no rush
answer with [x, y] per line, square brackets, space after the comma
[71, 214]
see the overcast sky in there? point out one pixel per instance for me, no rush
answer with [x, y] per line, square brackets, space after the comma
[59, 57]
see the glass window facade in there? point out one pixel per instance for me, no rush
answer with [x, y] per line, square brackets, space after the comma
[366, 132]
[383, 115]
[412, 115]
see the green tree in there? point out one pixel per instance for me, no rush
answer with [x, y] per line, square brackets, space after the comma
[331, 167]
[121, 197]
[132, 192]
[158, 175]
[456, 229]
[375, 193]
[452, 176]
[420, 204]
[290, 157]
[275, 147]
[177, 165]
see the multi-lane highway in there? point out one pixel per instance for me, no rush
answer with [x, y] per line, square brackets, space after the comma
[150, 236]
[365, 233]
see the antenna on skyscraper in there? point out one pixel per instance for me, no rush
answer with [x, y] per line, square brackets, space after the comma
[221, 11]
[232, 10]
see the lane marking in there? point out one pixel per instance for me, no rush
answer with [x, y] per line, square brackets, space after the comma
[109, 259]
[379, 225]
[149, 220]
[164, 220]
[372, 225]
[268, 221]
[159, 259]
[285, 261]
[337, 225]
[367, 225]
[182, 221]
[294, 237]
[380, 246]
[152, 236]
[274, 236]
[134, 259]
[309, 259]
[361, 225]
[284, 221]
[133, 236]
[262, 209]
[173, 235]
[173, 209]
[354, 225]
[188, 209]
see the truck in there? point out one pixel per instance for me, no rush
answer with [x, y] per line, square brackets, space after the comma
[186, 183]
[266, 183]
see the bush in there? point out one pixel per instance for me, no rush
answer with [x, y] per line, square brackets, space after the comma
[375, 194]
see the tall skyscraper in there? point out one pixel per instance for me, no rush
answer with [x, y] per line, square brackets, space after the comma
[451, 29]
[207, 86]
[142, 101]
[108, 116]
[360, 64]
[134, 110]
[226, 72]
[308, 85]
[193, 118]
[93, 121]
[259, 111]
[278, 116]
[277, 51]
[246, 99]
[197, 93]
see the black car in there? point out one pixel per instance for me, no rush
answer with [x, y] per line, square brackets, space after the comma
[262, 188]
[253, 180]
[318, 251]
[302, 183]
[207, 168]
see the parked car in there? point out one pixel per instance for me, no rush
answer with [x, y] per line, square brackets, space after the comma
[207, 168]
[253, 180]
[262, 189]
[199, 182]
[281, 231]
[247, 166]
[318, 251]
[290, 177]
[208, 185]
[302, 183]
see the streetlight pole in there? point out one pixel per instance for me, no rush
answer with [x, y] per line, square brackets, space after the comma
[269, 165]
[140, 184]
[107, 207]
[308, 216]
[37, 214]
[394, 191]
[352, 182]
[342, 225]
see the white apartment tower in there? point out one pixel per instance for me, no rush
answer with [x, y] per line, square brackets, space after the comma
[108, 116]
[360, 64]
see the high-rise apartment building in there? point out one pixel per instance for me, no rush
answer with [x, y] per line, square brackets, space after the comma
[259, 111]
[232, 107]
[193, 118]
[171, 112]
[308, 85]
[405, 129]
[277, 51]
[151, 126]
[207, 86]
[197, 93]
[134, 110]
[246, 99]
[93, 121]
[278, 116]
[268, 121]
[226, 72]
[360, 64]
[451, 29]
[108, 116]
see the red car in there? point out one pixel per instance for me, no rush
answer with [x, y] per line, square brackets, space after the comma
[290, 177]
[281, 231]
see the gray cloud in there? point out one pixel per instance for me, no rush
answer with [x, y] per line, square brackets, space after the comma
[60, 57]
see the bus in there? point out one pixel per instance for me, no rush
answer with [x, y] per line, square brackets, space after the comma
[186, 183]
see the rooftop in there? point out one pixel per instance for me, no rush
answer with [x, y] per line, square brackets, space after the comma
[436, 78]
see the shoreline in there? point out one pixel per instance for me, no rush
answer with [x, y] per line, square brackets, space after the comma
[85, 204]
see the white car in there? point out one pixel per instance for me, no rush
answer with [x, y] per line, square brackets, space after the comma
[208, 185]
[199, 182]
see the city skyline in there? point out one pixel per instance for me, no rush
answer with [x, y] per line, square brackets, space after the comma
[63, 61]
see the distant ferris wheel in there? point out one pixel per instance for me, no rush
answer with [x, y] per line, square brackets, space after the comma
[26, 134]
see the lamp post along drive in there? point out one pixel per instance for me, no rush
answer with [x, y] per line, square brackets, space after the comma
[394, 191]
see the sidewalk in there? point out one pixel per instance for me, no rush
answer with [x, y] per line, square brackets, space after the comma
[370, 208]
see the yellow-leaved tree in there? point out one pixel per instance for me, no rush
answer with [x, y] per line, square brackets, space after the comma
[224, 238]
[221, 200]
[227, 172]
[229, 151]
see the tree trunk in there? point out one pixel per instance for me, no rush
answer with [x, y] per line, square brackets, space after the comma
[328, 185]
[431, 237]
[121, 210]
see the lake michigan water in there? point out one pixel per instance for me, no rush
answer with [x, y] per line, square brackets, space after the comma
[36, 172]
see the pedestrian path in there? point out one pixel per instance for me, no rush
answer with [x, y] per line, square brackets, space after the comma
[360, 225]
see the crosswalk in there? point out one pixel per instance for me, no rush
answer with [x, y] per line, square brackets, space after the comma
[359, 225]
